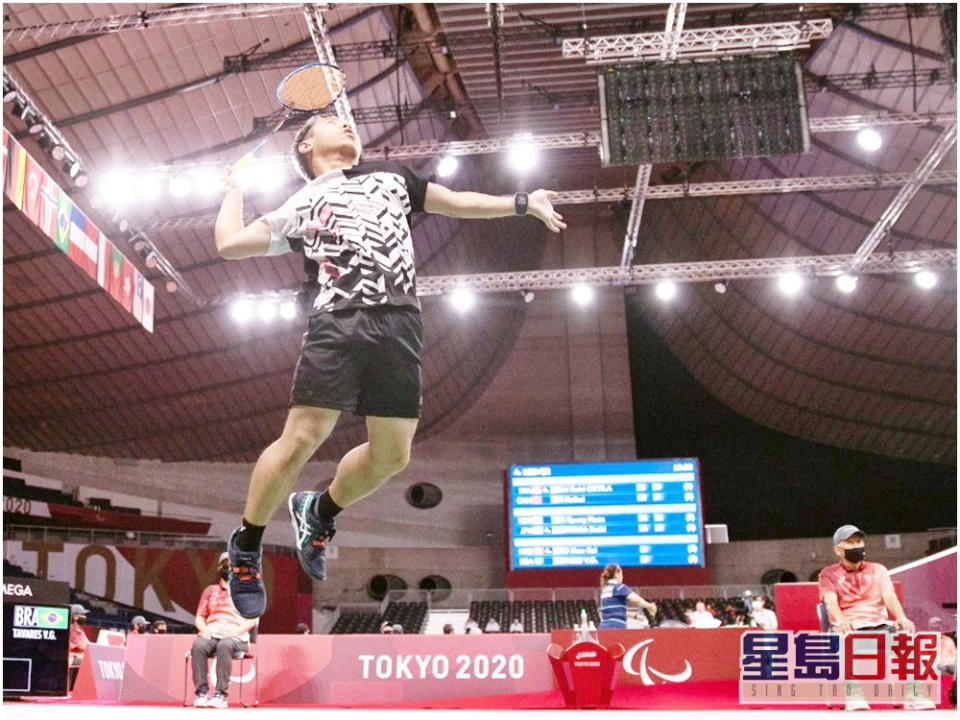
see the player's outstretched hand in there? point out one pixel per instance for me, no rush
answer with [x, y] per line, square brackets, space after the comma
[539, 205]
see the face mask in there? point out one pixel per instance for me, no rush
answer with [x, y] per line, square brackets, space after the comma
[758, 606]
[223, 572]
[80, 620]
[854, 555]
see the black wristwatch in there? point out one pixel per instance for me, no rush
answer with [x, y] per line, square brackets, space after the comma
[520, 203]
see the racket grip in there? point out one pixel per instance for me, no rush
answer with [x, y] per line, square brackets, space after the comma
[243, 162]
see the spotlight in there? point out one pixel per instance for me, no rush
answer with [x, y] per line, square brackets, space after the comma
[207, 182]
[527, 296]
[151, 260]
[720, 287]
[58, 153]
[270, 176]
[447, 166]
[72, 167]
[462, 299]
[522, 155]
[116, 188]
[666, 290]
[790, 284]
[172, 286]
[124, 225]
[925, 279]
[266, 310]
[180, 186]
[9, 95]
[81, 180]
[242, 311]
[869, 139]
[34, 124]
[96, 201]
[20, 108]
[148, 186]
[288, 310]
[453, 114]
[846, 283]
[582, 295]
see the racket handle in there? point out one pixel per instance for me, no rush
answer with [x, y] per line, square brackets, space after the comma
[243, 162]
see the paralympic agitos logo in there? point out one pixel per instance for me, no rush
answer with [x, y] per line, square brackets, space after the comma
[641, 668]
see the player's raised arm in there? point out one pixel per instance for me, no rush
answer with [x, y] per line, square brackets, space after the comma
[465, 204]
[234, 241]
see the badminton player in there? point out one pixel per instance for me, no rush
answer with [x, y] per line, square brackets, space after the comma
[361, 350]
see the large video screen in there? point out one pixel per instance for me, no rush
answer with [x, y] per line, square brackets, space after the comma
[645, 513]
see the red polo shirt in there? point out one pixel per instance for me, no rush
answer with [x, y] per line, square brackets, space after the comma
[859, 592]
[222, 620]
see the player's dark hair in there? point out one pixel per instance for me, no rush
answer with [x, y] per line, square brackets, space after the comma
[609, 572]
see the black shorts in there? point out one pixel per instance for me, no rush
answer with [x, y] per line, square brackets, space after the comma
[365, 360]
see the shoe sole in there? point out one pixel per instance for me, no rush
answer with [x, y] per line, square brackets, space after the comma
[296, 537]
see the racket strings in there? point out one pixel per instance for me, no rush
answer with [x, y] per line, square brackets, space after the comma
[312, 88]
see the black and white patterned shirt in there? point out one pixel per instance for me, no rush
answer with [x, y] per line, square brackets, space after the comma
[353, 229]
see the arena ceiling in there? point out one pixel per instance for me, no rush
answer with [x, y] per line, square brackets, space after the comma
[873, 371]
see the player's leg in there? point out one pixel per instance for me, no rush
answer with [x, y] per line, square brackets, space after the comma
[360, 472]
[273, 477]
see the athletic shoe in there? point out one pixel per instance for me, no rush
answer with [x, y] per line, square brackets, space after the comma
[245, 586]
[201, 701]
[310, 533]
[219, 700]
[919, 704]
[857, 705]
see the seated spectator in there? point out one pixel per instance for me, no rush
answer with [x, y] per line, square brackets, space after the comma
[159, 627]
[516, 626]
[448, 629]
[702, 618]
[386, 628]
[397, 629]
[302, 629]
[492, 626]
[222, 632]
[762, 616]
[470, 625]
[138, 626]
[78, 639]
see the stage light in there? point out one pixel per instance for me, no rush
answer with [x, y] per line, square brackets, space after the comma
[522, 155]
[207, 182]
[925, 279]
[666, 290]
[462, 299]
[288, 310]
[151, 260]
[846, 283]
[527, 296]
[242, 311]
[720, 287]
[58, 153]
[453, 114]
[582, 295]
[115, 187]
[447, 166]
[81, 179]
[266, 310]
[869, 139]
[270, 176]
[9, 95]
[148, 186]
[34, 124]
[72, 167]
[172, 286]
[180, 186]
[790, 284]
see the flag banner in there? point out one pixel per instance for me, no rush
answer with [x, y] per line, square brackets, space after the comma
[43, 202]
[82, 249]
[147, 320]
[31, 191]
[138, 295]
[104, 255]
[126, 285]
[49, 200]
[16, 169]
[61, 237]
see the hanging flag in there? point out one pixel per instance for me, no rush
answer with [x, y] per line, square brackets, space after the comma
[16, 172]
[6, 143]
[61, 237]
[115, 279]
[82, 249]
[49, 198]
[138, 295]
[104, 256]
[147, 320]
[126, 285]
[31, 190]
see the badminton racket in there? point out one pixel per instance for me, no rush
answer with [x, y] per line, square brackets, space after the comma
[309, 88]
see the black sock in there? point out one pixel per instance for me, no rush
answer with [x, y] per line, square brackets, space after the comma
[250, 536]
[325, 508]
